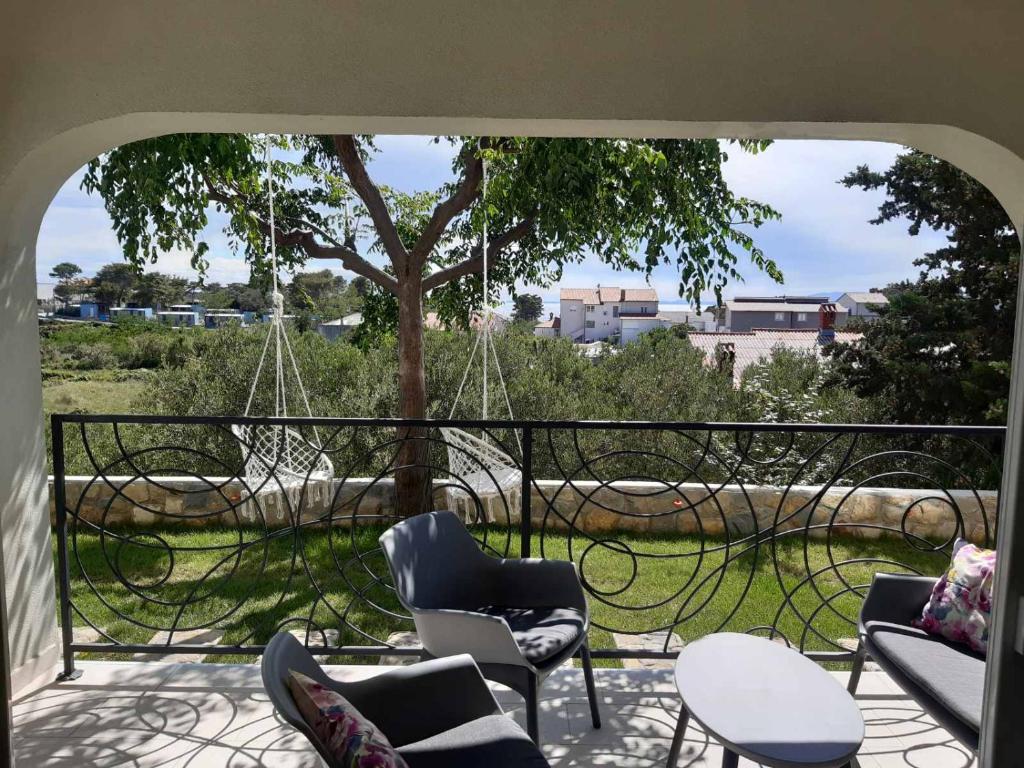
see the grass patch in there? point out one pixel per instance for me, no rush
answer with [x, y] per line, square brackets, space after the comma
[92, 394]
[248, 586]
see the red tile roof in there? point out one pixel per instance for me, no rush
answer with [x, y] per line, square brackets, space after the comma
[757, 344]
[608, 295]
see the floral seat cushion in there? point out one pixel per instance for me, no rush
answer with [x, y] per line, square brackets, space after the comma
[351, 739]
[961, 602]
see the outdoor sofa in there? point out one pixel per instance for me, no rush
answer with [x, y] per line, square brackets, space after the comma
[945, 678]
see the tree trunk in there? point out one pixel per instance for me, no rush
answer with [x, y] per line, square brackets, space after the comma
[412, 478]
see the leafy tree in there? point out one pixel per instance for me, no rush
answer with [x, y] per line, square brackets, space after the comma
[68, 282]
[156, 289]
[65, 271]
[528, 306]
[940, 351]
[113, 283]
[635, 204]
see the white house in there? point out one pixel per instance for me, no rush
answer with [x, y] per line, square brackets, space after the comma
[863, 304]
[594, 314]
[550, 328]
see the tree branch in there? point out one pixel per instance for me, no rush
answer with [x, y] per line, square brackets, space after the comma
[475, 263]
[348, 154]
[306, 240]
[448, 209]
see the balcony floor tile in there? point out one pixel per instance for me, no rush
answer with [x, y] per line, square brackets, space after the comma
[196, 715]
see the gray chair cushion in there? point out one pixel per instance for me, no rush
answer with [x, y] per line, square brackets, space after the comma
[950, 673]
[488, 742]
[540, 633]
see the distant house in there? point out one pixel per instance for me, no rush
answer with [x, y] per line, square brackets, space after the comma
[142, 313]
[335, 329]
[180, 318]
[863, 305]
[498, 322]
[594, 314]
[92, 310]
[698, 321]
[221, 318]
[623, 314]
[548, 328]
[740, 350]
[744, 314]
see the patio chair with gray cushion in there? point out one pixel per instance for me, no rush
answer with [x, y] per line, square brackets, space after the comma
[437, 714]
[518, 618]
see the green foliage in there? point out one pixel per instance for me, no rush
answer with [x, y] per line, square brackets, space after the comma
[940, 353]
[113, 283]
[128, 343]
[239, 296]
[155, 289]
[664, 199]
[327, 295]
[65, 271]
[528, 307]
[792, 386]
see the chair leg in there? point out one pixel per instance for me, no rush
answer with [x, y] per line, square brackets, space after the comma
[532, 720]
[588, 676]
[856, 669]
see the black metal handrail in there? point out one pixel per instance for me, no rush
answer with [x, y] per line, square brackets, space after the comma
[730, 497]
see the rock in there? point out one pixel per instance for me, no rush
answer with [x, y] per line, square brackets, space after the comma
[316, 640]
[184, 637]
[401, 640]
[648, 641]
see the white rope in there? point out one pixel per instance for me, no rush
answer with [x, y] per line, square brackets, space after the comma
[276, 448]
[508, 403]
[487, 297]
[465, 375]
[259, 370]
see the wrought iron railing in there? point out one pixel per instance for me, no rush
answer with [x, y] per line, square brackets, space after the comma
[164, 546]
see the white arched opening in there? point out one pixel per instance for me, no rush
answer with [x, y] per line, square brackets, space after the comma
[28, 189]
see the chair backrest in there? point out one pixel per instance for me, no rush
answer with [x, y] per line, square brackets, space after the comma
[435, 562]
[284, 653]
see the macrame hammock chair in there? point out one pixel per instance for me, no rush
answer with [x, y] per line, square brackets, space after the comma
[478, 469]
[277, 458]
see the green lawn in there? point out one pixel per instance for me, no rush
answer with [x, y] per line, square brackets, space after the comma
[248, 592]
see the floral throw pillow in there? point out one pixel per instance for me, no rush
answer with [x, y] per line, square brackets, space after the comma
[961, 602]
[352, 740]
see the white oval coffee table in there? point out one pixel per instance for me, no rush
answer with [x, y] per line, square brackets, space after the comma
[766, 702]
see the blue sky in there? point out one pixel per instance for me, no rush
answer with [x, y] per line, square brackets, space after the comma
[824, 243]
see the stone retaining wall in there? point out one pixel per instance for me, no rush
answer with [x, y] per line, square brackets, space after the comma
[636, 507]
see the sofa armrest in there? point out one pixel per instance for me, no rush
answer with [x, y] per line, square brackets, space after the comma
[896, 598]
[422, 700]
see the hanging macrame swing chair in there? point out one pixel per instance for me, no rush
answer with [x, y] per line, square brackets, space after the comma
[478, 469]
[277, 458]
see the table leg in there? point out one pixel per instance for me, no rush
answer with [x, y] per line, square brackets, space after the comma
[730, 759]
[677, 739]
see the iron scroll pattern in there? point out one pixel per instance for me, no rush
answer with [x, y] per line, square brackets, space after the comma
[677, 530]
